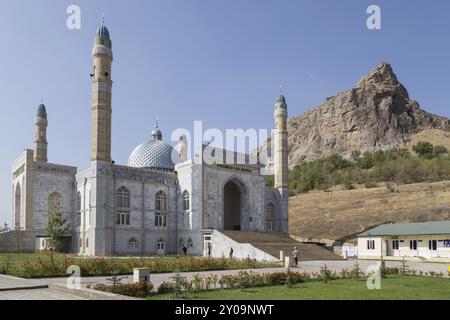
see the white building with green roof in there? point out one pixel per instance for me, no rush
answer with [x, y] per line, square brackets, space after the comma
[414, 241]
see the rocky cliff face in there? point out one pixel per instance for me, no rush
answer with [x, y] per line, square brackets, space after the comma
[375, 115]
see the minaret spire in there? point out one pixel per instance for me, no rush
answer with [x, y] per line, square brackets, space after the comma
[281, 161]
[101, 96]
[40, 134]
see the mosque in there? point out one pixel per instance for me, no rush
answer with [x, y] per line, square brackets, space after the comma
[158, 203]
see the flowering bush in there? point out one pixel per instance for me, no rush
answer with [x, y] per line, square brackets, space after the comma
[139, 290]
[109, 266]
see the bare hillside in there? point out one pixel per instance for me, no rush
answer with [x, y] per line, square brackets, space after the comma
[340, 214]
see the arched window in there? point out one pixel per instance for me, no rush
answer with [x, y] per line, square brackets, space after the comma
[18, 200]
[132, 243]
[160, 209]
[78, 209]
[186, 204]
[122, 206]
[54, 203]
[160, 245]
[181, 243]
[190, 244]
[270, 221]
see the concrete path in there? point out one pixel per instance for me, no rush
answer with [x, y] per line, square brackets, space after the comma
[304, 266]
[11, 287]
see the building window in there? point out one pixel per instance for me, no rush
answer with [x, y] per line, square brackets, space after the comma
[186, 204]
[81, 243]
[132, 243]
[395, 244]
[54, 203]
[370, 244]
[181, 243]
[413, 244]
[160, 209]
[123, 206]
[87, 242]
[160, 245]
[190, 244]
[270, 224]
[432, 245]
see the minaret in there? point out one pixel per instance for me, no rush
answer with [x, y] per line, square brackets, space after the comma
[101, 232]
[101, 96]
[40, 135]
[281, 161]
[182, 148]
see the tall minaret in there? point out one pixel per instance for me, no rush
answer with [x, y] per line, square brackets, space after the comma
[101, 96]
[281, 161]
[101, 231]
[40, 135]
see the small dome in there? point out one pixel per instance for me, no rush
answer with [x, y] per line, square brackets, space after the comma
[41, 111]
[281, 99]
[156, 134]
[103, 32]
[154, 154]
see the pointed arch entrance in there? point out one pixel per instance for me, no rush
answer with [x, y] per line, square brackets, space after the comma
[234, 193]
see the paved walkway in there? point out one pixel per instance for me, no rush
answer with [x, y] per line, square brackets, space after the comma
[9, 286]
[304, 266]
[13, 288]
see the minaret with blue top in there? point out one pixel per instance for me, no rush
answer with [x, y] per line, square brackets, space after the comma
[101, 222]
[40, 135]
[101, 96]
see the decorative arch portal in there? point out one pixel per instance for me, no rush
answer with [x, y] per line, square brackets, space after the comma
[234, 201]
[17, 205]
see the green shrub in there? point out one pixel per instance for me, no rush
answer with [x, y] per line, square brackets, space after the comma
[139, 290]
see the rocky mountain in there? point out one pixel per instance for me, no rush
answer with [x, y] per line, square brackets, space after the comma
[377, 114]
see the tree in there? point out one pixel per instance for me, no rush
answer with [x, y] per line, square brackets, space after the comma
[356, 154]
[56, 231]
[424, 149]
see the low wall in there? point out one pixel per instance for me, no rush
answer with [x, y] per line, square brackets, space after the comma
[221, 246]
[8, 241]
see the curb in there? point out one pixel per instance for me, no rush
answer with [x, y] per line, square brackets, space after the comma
[90, 293]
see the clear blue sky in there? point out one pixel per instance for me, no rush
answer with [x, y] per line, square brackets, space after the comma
[220, 61]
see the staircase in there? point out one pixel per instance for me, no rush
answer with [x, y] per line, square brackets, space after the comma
[273, 243]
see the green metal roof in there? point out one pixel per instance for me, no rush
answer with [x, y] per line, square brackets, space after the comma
[406, 229]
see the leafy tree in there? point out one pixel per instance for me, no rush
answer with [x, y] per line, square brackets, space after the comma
[424, 149]
[56, 230]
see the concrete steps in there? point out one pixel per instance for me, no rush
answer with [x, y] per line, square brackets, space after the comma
[273, 243]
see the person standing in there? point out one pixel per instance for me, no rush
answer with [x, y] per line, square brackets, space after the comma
[231, 253]
[185, 249]
[295, 254]
[209, 250]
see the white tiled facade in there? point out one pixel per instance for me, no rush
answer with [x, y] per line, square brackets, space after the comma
[89, 199]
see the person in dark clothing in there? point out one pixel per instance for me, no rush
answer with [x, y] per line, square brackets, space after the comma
[209, 249]
[185, 249]
[231, 253]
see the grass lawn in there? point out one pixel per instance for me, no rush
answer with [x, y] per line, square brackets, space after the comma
[16, 260]
[392, 288]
